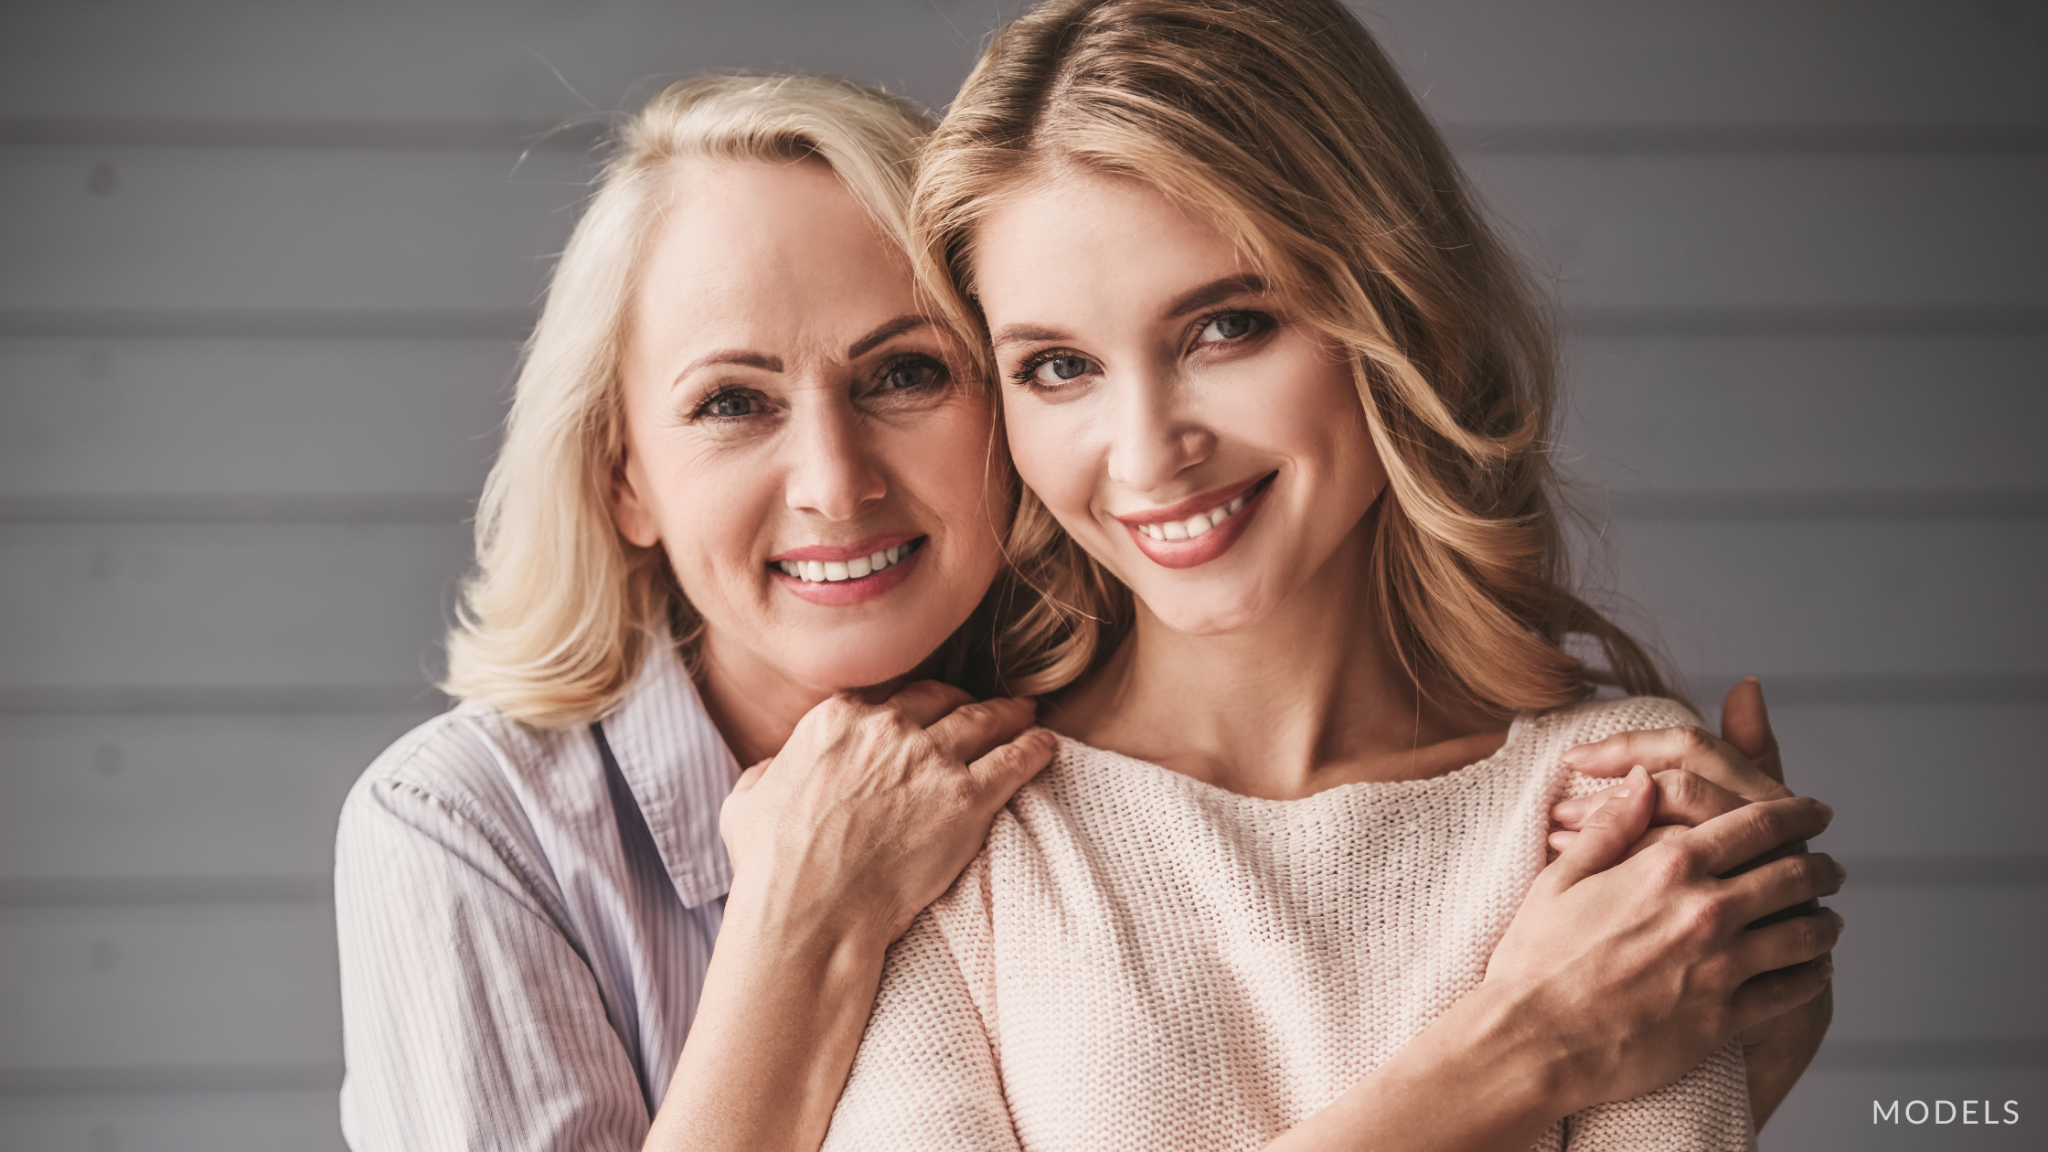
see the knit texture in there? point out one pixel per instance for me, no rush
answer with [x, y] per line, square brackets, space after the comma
[1138, 960]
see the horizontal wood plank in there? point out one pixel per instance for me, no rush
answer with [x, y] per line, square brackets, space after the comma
[1761, 232]
[268, 418]
[171, 985]
[1830, 1110]
[197, 797]
[281, 230]
[231, 605]
[230, 1120]
[1825, 414]
[1834, 597]
[1489, 61]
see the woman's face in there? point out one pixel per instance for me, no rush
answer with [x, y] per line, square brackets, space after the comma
[796, 441]
[1204, 445]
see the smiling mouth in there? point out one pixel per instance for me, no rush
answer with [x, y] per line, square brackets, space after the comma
[856, 568]
[1202, 523]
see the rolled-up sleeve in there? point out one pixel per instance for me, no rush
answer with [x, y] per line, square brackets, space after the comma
[469, 1018]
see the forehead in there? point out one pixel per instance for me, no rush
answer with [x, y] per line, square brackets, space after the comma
[1079, 241]
[765, 252]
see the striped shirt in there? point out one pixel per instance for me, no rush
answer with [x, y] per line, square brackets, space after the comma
[525, 918]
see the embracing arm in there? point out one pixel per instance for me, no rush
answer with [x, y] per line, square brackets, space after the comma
[1615, 979]
[865, 817]
[1700, 776]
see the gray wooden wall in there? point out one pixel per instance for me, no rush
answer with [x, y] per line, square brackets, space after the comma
[263, 269]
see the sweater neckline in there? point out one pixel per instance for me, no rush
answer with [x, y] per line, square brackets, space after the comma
[1520, 730]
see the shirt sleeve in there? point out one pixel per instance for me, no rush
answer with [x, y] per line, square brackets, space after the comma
[926, 1076]
[1706, 1110]
[469, 1020]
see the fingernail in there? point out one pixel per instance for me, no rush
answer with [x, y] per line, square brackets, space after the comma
[1827, 969]
[1827, 812]
[1578, 755]
[1751, 680]
[1841, 873]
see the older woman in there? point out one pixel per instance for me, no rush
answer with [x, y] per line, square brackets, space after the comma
[747, 496]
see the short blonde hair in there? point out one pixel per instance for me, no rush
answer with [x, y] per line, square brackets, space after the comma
[557, 617]
[1281, 122]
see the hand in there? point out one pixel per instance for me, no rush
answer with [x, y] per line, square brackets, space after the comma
[1747, 764]
[1640, 968]
[871, 810]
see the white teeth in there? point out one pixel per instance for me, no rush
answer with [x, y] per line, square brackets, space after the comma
[1195, 525]
[834, 571]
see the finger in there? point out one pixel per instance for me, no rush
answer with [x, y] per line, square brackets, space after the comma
[1777, 992]
[1746, 723]
[998, 775]
[974, 729]
[1724, 842]
[1689, 748]
[1607, 835]
[924, 702]
[1781, 884]
[1562, 838]
[1682, 798]
[1790, 942]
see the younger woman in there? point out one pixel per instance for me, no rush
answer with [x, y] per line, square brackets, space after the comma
[1282, 403]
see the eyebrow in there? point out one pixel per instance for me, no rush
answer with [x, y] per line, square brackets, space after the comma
[732, 356]
[1216, 292]
[861, 347]
[1194, 300]
[886, 332]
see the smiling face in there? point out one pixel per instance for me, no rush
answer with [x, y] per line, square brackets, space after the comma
[796, 440]
[1204, 445]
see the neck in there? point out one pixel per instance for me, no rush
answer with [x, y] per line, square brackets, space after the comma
[1307, 697]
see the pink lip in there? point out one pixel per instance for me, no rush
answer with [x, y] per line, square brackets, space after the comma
[1208, 546]
[1207, 502]
[823, 552]
[840, 593]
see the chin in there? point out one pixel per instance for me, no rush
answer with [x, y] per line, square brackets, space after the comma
[863, 658]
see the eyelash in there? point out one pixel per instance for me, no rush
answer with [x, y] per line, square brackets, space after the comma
[940, 374]
[1023, 377]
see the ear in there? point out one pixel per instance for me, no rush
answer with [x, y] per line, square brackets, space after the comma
[632, 514]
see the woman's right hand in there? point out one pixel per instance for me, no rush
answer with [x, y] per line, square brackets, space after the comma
[872, 808]
[1641, 966]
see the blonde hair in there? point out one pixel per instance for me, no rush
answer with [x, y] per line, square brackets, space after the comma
[557, 617]
[1282, 123]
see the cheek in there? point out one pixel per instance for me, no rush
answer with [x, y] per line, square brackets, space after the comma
[1050, 446]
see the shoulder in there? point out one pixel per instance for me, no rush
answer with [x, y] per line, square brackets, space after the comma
[1592, 720]
[463, 793]
[470, 760]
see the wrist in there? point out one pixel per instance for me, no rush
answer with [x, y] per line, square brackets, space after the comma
[801, 928]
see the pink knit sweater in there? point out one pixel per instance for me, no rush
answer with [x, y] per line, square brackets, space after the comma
[1138, 960]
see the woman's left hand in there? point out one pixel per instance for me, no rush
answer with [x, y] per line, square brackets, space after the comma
[1700, 776]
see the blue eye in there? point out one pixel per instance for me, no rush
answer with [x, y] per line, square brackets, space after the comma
[727, 406]
[1228, 326]
[1054, 371]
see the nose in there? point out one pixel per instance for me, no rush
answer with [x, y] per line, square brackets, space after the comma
[1155, 432]
[831, 471]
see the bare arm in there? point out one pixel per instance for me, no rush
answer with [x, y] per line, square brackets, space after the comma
[1742, 766]
[865, 817]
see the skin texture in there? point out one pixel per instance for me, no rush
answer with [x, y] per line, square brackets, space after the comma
[782, 393]
[1260, 668]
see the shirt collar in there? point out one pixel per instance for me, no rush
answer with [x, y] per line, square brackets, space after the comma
[679, 771]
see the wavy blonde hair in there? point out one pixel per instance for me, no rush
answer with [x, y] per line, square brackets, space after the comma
[557, 617]
[1281, 122]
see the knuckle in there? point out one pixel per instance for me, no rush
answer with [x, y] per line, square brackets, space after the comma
[1669, 863]
[1694, 738]
[1704, 918]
